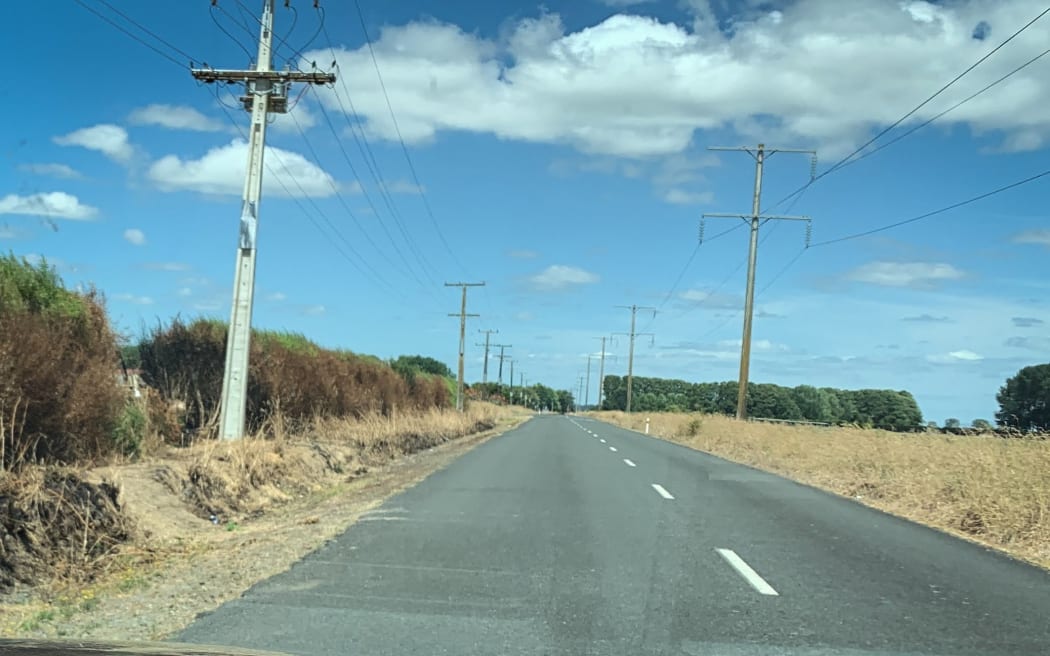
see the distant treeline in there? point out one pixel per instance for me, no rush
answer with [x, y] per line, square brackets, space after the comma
[886, 409]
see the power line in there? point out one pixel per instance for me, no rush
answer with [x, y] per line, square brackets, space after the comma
[841, 163]
[950, 109]
[368, 198]
[400, 138]
[297, 52]
[136, 37]
[342, 201]
[211, 12]
[942, 210]
[146, 30]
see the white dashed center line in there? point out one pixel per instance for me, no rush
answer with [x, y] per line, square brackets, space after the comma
[661, 491]
[629, 463]
[750, 575]
[613, 449]
[602, 441]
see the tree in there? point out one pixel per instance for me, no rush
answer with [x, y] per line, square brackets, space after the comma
[1024, 401]
[421, 363]
[952, 422]
[982, 424]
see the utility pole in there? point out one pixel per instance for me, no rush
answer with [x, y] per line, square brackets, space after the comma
[601, 372]
[587, 389]
[485, 367]
[462, 314]
[630, 357]
[266, 91]
[756, 219]
[579, 387]
[502, 356]
[511, 392]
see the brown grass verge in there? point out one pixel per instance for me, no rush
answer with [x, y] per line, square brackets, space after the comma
[992, 490]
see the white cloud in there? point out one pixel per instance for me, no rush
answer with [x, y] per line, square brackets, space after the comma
[633, 85]
[677, 196]
[276, 297]
[963, 355]
[133, 299]
[174, 117]
[559, 276]
[207, 306]
[135, 236]
[623, 3]
[53, 204]
[711, 300]
[61, 171]
[110, 140]
[905, 274]
[314, 310]
[166, 266]
[221, 171]
[1035, 236]
[756, 345]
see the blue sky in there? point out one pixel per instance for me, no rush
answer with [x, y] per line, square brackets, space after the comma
[562, 149]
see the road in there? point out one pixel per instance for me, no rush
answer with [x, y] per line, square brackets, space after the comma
[569, 536]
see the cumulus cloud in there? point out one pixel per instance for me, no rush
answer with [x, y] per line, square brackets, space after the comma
[560, 276]
[905, 274]
[635, 85]
[53, 204]
[110, 140]
[221, 172]
[174, 117]
[135, 236]
[61, 171]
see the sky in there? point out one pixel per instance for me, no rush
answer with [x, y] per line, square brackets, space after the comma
[559, 152]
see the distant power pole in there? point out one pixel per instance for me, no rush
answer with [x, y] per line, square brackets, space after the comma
[579, 387]
[485, 367]
[630, 357]
[502, 357]
[587, 389]
[266, 91]
[462, 314]
[601, 372]
[755, 219]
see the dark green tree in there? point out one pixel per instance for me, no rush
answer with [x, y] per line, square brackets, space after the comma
[982, 424]
[952, 422]
[1024, 401]
[421, 363]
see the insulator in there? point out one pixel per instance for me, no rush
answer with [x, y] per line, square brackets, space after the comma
[813, 167]
[809, 233]
[701, 236]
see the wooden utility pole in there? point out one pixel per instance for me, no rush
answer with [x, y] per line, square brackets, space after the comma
[630, 356]
[755, 219]
[462, 314]
[485, 366]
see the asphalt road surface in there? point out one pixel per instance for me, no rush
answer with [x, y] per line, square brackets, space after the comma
[569, 536]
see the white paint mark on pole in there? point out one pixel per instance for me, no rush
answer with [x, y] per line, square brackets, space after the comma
[661, 491]
[629, 463]
[744, 570]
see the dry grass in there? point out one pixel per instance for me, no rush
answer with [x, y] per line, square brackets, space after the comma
[994, 490]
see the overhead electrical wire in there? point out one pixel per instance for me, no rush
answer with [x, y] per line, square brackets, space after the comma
[211, 12]
[363, 146]
[135, 37]
[842, 162]
[404, 148]
[146, 30]
[350, 212]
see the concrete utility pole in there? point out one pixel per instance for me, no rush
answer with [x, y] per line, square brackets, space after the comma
[485, 367]
[579, 388]
[502, 357]
[462, 314]
[630, 357]
[755, 219]
[511, 361]
[587, 389]
[266, 91]
[601, 372]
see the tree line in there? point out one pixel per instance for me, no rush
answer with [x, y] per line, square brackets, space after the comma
[885, 409]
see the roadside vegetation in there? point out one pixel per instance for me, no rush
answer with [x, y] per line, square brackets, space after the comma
[990, 489]
[80, 407]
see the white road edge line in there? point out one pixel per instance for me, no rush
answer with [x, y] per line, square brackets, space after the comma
[750, 575]
[613, 449]
[629, 463]
[661, 491]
